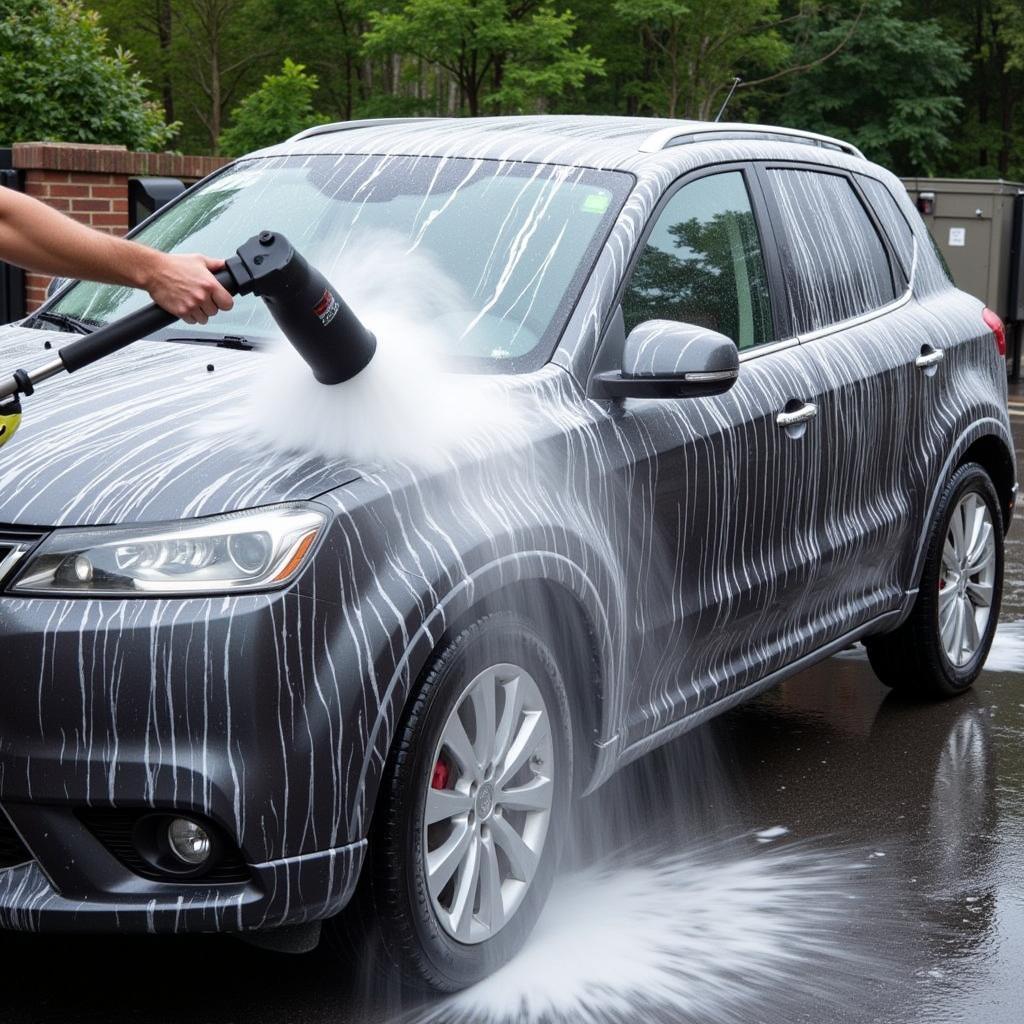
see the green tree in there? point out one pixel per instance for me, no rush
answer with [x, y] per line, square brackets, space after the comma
[204, 54]
[988, 132]
[280, 107]
[221, 50]
[695, 49]
[501, 55]
[59, 81]
[882, 72]
[327, 38]
[893, 90]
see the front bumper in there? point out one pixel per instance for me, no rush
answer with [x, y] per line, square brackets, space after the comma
[231, 709]
[279, 893]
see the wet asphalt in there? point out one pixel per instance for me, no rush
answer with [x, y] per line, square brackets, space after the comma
[929, 799]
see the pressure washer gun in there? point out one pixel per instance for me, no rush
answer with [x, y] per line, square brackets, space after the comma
[305, 305]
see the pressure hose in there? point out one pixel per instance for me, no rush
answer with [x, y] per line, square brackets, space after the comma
[311, 314]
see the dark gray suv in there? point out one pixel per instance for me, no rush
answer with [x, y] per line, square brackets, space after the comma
[244, 683]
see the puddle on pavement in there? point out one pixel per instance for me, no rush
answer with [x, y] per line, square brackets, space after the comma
[696, 936]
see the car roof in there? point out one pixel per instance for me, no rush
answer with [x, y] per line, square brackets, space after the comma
[617, 143]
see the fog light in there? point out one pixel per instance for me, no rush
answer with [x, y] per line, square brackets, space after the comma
[189, 842]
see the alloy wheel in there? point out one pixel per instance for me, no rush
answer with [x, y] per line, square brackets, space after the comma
[488, 803]
[967, 580]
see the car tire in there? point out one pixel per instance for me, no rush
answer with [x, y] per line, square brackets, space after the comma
[928, 656]
[435, 941]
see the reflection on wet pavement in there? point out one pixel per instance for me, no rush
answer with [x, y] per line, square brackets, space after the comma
[828, 852]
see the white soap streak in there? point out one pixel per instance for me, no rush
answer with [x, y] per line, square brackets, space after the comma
[716, 934]
[775, 832]
[1007, 654]
[404, 407]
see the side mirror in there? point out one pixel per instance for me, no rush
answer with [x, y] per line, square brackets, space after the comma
[55, 285]
[665, 359]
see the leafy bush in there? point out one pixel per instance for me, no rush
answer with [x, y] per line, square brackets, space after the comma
[59, 82]
[280, 107]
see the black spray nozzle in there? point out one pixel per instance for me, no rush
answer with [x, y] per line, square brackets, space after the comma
[313, 317]
[306, 306]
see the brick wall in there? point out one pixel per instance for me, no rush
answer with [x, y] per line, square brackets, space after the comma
[90, 183]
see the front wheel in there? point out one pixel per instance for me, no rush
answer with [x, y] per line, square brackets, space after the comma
[475, 800]
[941, 648]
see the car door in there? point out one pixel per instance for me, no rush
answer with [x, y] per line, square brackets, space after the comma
[925, 335]
[720, 585]
[849, 301]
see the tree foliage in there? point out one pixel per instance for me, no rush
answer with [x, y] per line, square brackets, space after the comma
[987, 139]
[60, 80]
[503, 55]
[695, 47]
[923, 85]
[892, 92]
[280, 107]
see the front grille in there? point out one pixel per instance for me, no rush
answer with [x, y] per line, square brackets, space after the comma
[115, 829]
[12, 850]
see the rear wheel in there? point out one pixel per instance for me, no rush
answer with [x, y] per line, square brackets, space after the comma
[941, 648]
[475, 799]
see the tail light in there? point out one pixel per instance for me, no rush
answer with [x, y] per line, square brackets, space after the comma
[995, 325]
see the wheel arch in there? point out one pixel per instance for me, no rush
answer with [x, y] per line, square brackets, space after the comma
[565, 622]
[993, 455]
[986, 441]
[512, 581]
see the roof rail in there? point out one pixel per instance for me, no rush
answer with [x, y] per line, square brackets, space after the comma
[711, 131]
[344, 126]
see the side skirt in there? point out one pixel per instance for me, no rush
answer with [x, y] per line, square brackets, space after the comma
[878, 624]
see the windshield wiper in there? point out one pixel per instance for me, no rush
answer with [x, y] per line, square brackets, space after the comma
[235, 341]
[64, 321]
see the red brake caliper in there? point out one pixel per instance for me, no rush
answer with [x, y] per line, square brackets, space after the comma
[439, 780]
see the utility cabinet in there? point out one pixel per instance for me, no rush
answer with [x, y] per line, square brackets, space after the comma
[977, 225]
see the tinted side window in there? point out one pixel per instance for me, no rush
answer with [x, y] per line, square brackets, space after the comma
[889, 213]
[836, 265]
[702, 264]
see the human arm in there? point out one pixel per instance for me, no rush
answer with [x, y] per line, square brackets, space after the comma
[39, 238]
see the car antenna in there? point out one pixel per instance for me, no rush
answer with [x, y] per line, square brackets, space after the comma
[721, 110]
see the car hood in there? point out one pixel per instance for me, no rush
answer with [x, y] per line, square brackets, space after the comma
[135, 438]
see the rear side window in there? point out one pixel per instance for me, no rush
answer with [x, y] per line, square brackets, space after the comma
[702, 264]
[836, 265]
[891, 216]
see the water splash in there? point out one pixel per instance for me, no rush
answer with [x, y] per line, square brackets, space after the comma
[405, 406]
[1007, 654]
[702, 936]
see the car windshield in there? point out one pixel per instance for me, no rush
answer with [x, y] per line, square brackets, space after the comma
[496, 251]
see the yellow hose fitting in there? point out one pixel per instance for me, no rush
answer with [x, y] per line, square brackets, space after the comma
[10, 420]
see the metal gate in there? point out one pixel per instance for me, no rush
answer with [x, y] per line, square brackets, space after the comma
[12, 279]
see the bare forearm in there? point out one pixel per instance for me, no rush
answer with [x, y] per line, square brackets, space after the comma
[38, 238]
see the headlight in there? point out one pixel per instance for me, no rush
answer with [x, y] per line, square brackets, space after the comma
[244, 551]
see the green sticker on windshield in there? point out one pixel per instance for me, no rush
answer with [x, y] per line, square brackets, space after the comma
[596, 202]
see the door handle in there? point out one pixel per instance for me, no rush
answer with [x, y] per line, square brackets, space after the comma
[806, 412]
[930, 358]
